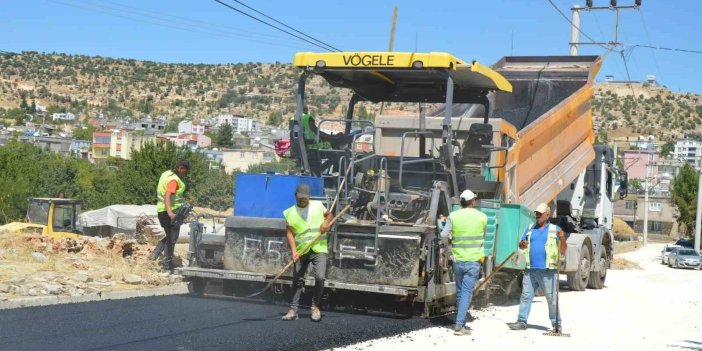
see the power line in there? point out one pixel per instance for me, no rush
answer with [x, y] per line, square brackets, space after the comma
[648, 38]
[188, 26]
[285, 25]
[272, 26]
[667, 49]
[573, 25]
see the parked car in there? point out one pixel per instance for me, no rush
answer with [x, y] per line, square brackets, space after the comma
[682, 257]
[666, 252]
[685, 243]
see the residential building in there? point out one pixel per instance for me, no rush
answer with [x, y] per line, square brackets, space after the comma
[63, 116]
[80, 148]
[241, 159]
[124, 142]
[636, 161]
[101, 145]
[667, 171]
[192, 140]
[689, 151]
[222, 119]
[662, 214]
[150, 125]
[191, 127]
[48, 143]
[644, 143]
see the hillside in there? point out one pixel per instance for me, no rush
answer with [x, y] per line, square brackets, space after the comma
[86, 85]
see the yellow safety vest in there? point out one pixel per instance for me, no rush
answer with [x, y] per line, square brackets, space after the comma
[177, 199]
[551, 247]
[468, 234]
[310, 135]
[306, 230]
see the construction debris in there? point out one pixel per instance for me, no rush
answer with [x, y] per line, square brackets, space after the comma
[36, 265]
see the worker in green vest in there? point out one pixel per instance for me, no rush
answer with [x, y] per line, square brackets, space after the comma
[466, 228]
[169, 193]
[314, 143]
[305, 221]
[543, 243]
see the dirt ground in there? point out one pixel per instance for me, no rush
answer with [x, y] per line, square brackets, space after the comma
[652, 308]
[35, 265]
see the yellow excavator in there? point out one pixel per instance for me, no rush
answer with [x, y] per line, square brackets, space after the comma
[54, 217]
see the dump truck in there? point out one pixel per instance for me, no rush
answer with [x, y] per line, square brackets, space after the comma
[54, 217]
[517, 133]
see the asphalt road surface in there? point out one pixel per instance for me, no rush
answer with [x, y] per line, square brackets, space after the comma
[187, 323]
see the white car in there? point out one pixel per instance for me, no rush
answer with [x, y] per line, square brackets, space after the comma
[666, 252]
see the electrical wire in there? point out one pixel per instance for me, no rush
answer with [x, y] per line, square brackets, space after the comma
[667, 49]
[176, 24]
[573, 25]
[270, 25]
[285, 25]
[648, 39]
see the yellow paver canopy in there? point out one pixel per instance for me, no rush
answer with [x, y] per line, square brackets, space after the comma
[403, 76]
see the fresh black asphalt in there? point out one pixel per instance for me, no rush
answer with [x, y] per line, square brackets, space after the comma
[187, 323]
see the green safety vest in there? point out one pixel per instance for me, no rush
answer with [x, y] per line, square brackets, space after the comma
[551, 247]
[177, 199]
[468, 234]
[310, 135]
[306, 231]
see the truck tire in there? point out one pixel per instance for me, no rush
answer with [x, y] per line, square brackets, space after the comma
[196, 286]
[578, 280]
[597, 278]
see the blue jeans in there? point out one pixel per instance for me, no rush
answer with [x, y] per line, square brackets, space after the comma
[465, 275]
[546, 279]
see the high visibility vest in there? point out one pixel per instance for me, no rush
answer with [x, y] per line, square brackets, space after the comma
[306, 230]
[310, 135]
[468, 234]
[177, 199]
[551, 247]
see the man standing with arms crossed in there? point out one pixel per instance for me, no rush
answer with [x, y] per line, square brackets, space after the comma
[466, 227]
[169, 192]
[305, 220]
[542, 243]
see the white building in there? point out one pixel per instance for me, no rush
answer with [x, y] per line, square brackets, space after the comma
[688, 150]
[63, 116]
[191, 127]
[644, 142]
[240, 124]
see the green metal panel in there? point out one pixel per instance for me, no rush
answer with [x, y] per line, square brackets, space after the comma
[492, 210]
[513, 221]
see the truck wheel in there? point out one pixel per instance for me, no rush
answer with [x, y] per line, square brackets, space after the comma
[578, 280]
[597, 278]
[196, 286]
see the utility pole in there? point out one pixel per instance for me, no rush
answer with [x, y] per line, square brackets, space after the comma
[575, 27]
[698, 219]
[391, 45]
[574, 31]
[645, 223]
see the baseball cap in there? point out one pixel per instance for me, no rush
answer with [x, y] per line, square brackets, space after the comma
[467, 195]
[302, 190]
[542, 208]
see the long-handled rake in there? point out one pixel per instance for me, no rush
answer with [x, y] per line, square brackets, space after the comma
[557, 328]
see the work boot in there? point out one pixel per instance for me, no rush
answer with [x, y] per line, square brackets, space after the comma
[557, 329]
[316, 314]
[291, 315]
[461, 330]
[518, 325]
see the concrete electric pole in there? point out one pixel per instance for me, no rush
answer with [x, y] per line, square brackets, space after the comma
[645, 223]
[698, 218]
[575, 31]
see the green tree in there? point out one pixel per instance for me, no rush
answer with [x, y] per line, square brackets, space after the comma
[275, 118]
[15, 114]
[281, 166]
[667, 148]
[684, 197]
[635, 185]
[85, 133]
[225, 136]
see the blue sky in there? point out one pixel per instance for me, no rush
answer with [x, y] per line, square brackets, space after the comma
[203, 31]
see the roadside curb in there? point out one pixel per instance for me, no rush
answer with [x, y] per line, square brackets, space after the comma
[176, 289]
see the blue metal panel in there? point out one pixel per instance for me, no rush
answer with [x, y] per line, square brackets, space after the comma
[268, 195]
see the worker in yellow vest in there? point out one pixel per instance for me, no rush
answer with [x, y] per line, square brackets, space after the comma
[169, 193]
[305, 220]
[543, 243]
[466, 228]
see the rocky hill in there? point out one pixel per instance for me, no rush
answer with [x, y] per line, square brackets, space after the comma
[86, 85]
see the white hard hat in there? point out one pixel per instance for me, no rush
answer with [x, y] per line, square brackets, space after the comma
[542, 208]
[467, 195]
